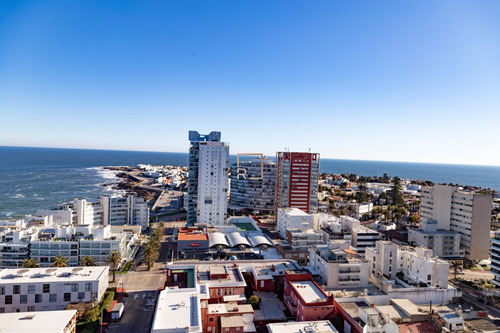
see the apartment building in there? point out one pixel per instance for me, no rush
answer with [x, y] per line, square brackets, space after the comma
[75, 242]
[253, 191]
[443, 243]
[297, 244]
[467, 213]
[292, 218]
[63, 321]
[47, 289]
[297, 181]
[129, 210]
[339, 268]
[208, 179]
[107, 210]
[418, 265]
[305, 299]
[363, 238]
[495, 259]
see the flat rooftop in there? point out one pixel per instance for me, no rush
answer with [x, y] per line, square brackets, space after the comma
[233, 278]
[191, 235]
[309, 292]
[47, 275]
[46, 321]
[301, 327]
[295, 212]
[177, 309]
[225, 308]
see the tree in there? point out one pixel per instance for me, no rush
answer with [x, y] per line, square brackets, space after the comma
[114, 260]
[60, 261]
[31, 263]
[485, 286]
[150, 254]
[455, 265]
[254, 301]
[88, 261]
[395, 194]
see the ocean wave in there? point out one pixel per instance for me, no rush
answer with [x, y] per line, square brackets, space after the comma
[18, 196]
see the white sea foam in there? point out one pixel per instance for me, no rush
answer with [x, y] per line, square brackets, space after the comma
[18, 196]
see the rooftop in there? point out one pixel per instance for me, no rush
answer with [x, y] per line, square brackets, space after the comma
[191, 235]
[302, 327]
[309, 292]
[177, 308]
[51, 321]
[225, 308]
[47, 275]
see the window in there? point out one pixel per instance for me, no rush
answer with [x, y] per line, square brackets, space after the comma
[46, 288]
[2, 310]
[17, 289]
[74, 287]
[31, 289]
[2, 290]
[8, 299]
[53, 298]
[31, 308]
[88, 286]
[67, 297]
[81, 295]
[23, 299]
[211, 319]
[94, 295]
[38, 298]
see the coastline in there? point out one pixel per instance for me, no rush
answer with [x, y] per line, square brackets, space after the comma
[130, 183]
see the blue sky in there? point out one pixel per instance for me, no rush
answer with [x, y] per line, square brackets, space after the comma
[374, 80]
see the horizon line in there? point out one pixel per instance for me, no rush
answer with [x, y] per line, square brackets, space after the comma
[327, 158]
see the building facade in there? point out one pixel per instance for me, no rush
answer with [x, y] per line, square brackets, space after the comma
[255, 191]
[297, 181]
[337, 269]
[467, 213]
[208, 179]
[292, 218]
[46, 289]
[495, 259]
[443, 243]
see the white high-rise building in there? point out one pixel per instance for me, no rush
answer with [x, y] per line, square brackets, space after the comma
[467, 213]
[208, 180]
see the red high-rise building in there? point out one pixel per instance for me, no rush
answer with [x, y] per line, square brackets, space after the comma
[297, 184]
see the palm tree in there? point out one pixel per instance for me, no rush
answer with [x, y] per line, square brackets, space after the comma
[31, 263]
[455, 265]
[114, 260]
[150, 254]
[88, 261]
[485, 285]
[60, 261]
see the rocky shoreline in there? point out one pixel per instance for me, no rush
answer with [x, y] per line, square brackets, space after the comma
[129, 183]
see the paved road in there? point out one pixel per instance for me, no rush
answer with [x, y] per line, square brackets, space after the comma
[137, 314]
[142, 288]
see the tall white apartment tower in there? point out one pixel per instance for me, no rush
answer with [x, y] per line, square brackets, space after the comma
[467, 213]
[208, 179]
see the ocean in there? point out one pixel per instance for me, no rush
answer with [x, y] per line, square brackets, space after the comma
[42, 178]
